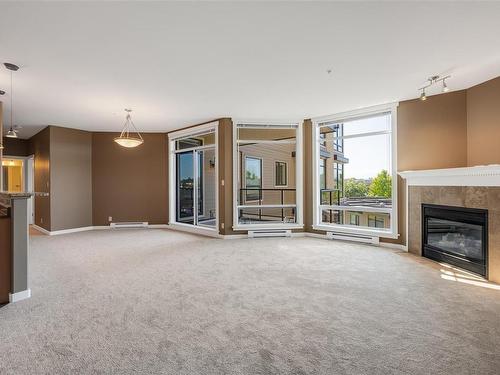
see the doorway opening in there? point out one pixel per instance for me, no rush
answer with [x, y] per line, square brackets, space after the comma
[18, 174]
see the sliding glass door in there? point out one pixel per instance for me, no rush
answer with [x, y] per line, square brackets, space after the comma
[185, 187]
[195, 182]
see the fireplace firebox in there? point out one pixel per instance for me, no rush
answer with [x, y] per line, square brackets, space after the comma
[456, 235]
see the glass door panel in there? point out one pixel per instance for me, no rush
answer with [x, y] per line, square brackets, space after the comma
[206, 188]
[185, 187]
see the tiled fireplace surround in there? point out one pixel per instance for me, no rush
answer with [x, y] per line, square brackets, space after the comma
[474, 187]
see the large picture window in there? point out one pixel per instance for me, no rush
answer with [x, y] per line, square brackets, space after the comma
[355, 172]
[267, 161]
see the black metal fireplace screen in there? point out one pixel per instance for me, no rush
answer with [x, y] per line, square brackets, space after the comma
[456, 235]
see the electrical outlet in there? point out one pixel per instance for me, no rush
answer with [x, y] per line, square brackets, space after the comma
[222, 225]
[41, 220]
[110, 219]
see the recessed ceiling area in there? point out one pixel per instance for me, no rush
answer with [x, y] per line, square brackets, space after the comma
[177, 64]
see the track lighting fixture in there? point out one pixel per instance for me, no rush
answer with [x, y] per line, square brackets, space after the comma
[432, 81]
[445, 86]
[423, 96]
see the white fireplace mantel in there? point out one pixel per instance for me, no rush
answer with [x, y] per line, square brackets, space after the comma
[483, 175]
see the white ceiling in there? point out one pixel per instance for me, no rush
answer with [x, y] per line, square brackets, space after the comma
[181, 63]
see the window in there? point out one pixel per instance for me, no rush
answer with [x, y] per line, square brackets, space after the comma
[322, 174]
[354, 219]
[375, 221]
[253, 178]
[188, 143]
[354, 178]
[281, 178]
[267, 158]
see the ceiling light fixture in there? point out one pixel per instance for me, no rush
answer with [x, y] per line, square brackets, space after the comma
[125, 139]
[423, 96]
[12, 133]
[432, 81]
[445, 86]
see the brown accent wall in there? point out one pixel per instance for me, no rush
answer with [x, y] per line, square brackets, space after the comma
[433, 133]
[39, 145]
[71, 178]
[129, 184]
[225, 134]
[308, 175]
[483, 123]
[15, 147]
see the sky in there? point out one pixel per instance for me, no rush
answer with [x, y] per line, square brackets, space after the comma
[367, 155]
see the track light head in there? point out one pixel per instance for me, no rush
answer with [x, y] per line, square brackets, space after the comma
[445, 86]
[423, 96]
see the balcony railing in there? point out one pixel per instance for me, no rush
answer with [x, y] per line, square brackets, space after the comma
[262, 202]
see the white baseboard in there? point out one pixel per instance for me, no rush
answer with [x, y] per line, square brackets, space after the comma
[393, 246]
[40, 229]
[232, 236]
[204, 232]
[84, 229]
[195, 230]
[67, 231]
[158, 226]
[19, 296]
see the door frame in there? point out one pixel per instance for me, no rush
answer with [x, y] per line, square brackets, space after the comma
[28, 183]
[172, 167]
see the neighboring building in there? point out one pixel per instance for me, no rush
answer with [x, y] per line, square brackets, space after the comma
[267, 177]
[368, 219]
[331, 171]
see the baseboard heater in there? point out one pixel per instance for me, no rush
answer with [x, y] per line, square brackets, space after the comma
[129, 224]
[269, 233]
[352, 237]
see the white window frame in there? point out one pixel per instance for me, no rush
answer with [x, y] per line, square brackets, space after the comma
[172, 171]
[342, 228]
[286, 174]
[299, 207]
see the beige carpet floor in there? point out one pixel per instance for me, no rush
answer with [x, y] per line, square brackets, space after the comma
[164, 302]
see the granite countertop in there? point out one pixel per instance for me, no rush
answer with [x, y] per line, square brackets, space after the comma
[7, 196]
[22, 194]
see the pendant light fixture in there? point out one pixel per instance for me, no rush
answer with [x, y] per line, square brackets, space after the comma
[12, 133]
[125, 139]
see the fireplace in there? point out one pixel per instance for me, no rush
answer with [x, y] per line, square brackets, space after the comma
[456, 235]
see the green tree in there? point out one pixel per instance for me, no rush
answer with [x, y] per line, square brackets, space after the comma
[355, 188]
[381, 185]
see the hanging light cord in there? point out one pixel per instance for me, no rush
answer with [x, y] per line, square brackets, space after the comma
[126, 127]
[11, 101]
